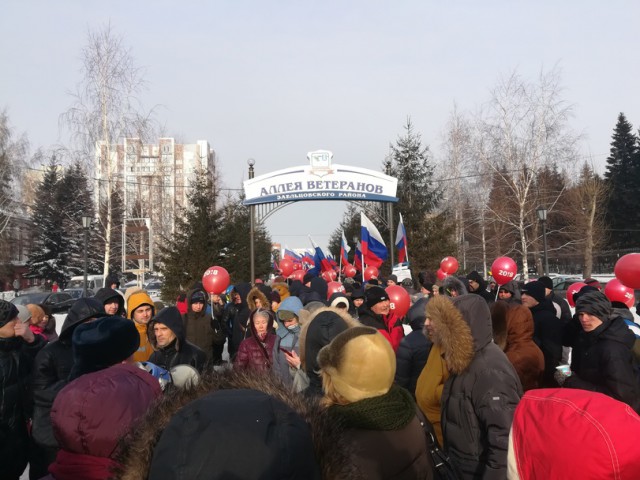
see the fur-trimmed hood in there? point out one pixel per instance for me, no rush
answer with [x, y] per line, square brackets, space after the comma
[451, 332]
[453, 284]
[254, 293]
[331, 451]
[326, 330]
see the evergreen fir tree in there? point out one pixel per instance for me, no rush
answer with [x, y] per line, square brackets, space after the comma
[47, 259]
[74, 192]
[429, 232]
[623, 177]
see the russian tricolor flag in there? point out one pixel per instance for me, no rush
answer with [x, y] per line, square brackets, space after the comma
[322, 264]
[374, 250]
[344, 249]
[357, 258]
[401, 242]
[292, 255]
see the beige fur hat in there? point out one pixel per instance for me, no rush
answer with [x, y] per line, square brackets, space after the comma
[359, 363]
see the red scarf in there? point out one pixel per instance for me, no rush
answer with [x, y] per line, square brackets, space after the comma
[71, 466]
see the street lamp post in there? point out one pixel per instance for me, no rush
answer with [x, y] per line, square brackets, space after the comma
[251, 162]
[86, 223]
[542, 216]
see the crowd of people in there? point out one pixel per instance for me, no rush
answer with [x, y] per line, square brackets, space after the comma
[293, 380]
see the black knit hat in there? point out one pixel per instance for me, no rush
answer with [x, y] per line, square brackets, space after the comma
[375, 295]
[546, 281]
[102, 343]
[596, 304]
[475, 276]
[535, 289]
[8, 312]
[198, 297]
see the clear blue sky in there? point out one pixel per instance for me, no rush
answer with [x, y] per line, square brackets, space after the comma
[274, 80]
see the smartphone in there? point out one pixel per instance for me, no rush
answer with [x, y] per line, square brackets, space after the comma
[285, 351]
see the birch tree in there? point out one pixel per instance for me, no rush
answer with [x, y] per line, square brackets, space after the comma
[104, 110]
[526, 126]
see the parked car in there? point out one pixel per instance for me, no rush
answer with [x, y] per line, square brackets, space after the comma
[562, 284]
[153, 288]
[57, 301]
[77, 293]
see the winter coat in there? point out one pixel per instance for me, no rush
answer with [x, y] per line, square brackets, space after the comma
[413, 351]
[382, 453]
[323, 326]
[629, 319]
[220, 447]
[585, 435]
[525, 356]
[135, 300]
[179, 351]
[388, 325]
[241, 320]
[562, 305]
[88, 432]
[547, 333]
[480, 396]
[105, 294]
[197, 327]
[287, 339]
[16, 362]
[52, 367]
[429, 389]
[602, 361]
[254, 353]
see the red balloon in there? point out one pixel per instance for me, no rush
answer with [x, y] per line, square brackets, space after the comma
[297, 275]
[617, 292]
[399, 300]
[286, 266]
[333, 287]
[574, 288]
[370, 272]
[215, 280]
[627, 270]
[297, 266]
[503, 270]
[449, 265]
[329, 276]
[441, 275]
[350, 271]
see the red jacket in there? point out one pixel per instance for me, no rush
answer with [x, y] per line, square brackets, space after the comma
[570, 433]
[388, 325]
[252, 356]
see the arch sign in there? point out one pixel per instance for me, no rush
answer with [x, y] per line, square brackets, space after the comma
[321, 180]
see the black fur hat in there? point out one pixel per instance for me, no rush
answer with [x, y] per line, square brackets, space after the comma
[102, 343]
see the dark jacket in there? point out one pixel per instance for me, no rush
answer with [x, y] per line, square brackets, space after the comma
[241, 319]
[482, 289]
[602, 361]
[197, 326]
[398, 453]
[256, 354]
[53, 366]
[413, 352]
[105, 294]
[323, 326]
[547, 334]
[16, 361]
[480, 396]
[179, 351]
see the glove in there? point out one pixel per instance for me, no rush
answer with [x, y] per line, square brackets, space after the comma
[560, 376]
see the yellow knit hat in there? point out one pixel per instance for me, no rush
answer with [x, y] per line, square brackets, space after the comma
[360, 364]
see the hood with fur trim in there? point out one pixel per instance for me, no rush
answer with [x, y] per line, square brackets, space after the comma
[332, 451]
[451, 333]
[453, 284]
[254, 293]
